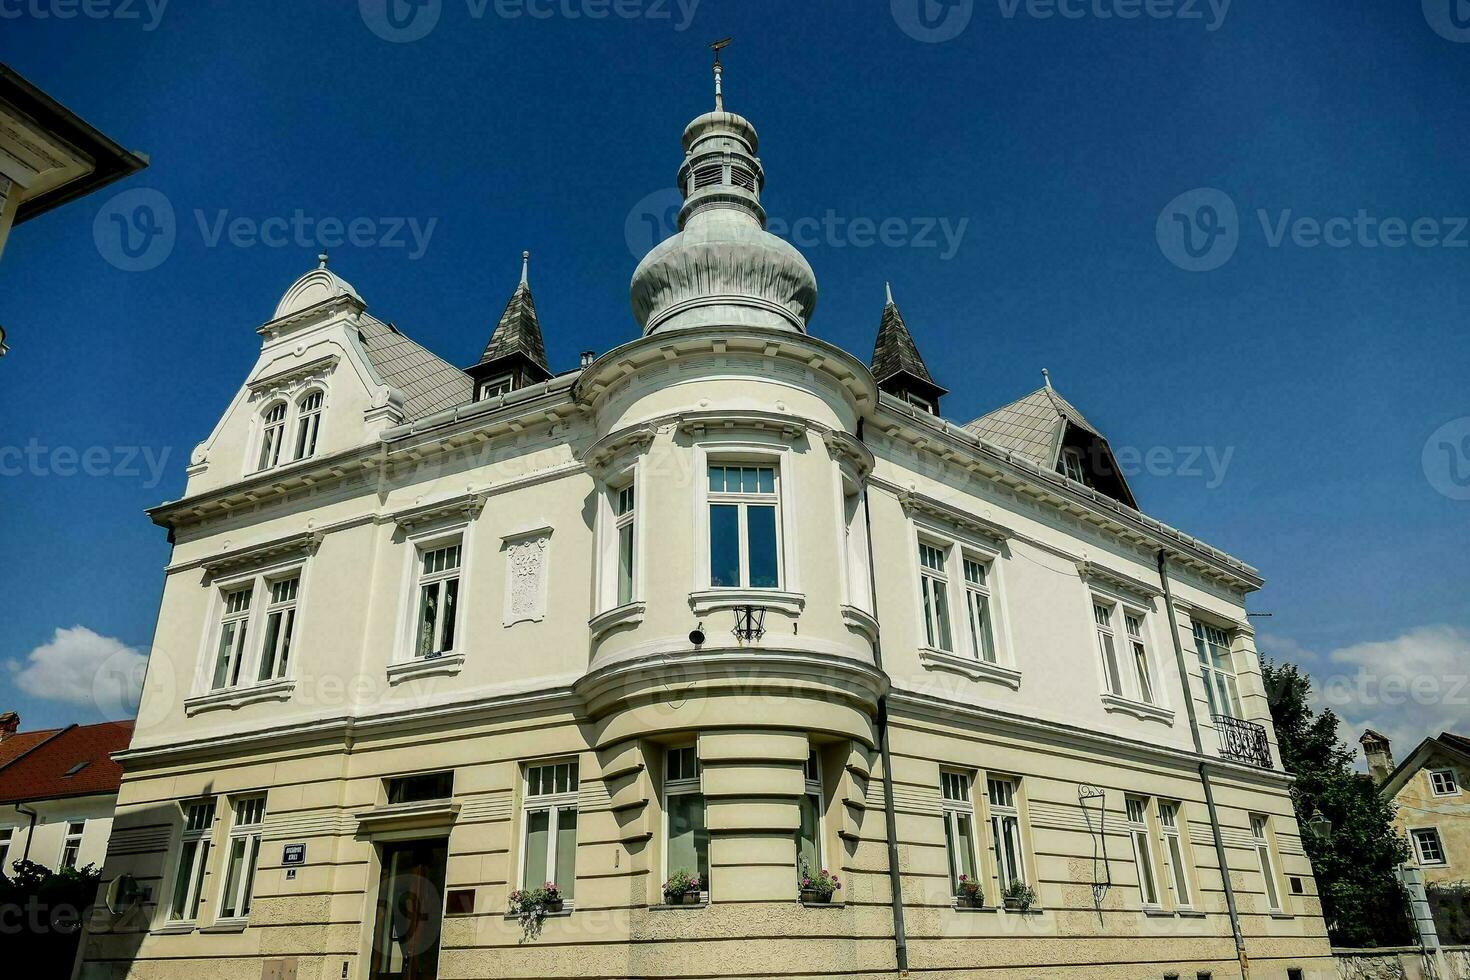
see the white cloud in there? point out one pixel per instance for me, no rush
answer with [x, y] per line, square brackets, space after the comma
[79, 667]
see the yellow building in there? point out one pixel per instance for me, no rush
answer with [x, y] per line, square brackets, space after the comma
[1429, 789]
[721, 600]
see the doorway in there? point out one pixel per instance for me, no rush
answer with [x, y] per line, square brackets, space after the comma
[410, 910]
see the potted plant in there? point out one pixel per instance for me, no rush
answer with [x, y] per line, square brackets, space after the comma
[532, 905]
[1019, 897]
[818, 888]
[968, 893]
[682, 888]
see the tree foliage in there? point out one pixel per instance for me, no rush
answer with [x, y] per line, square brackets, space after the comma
[41, 916]
[1355, 863]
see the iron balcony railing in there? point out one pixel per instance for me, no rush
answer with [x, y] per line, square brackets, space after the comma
[1243, 741]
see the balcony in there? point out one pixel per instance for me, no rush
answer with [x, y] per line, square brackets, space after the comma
[1243, 741]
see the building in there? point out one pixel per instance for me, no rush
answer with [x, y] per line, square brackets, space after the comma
[720, 600]
[58, 788]
[1429, 790]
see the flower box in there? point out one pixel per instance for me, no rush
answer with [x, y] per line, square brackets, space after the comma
[966, 901]
[688, 898]
[811, 897]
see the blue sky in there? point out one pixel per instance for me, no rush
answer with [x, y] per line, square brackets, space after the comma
[1024, 171]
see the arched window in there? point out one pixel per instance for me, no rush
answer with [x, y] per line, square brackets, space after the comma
[308, 423]
[273, 434]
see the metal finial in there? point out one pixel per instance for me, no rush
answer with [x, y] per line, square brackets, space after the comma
[525, 267]
[716, 46]
[887, 294]
[321, 260]
[1046, 377]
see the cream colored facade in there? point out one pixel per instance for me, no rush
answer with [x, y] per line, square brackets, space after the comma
[555, 659]
[1433, 804]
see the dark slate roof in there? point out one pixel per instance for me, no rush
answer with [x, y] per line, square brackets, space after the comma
[83, 750]
[518, 332]
[894, 351]
[1032, 426]
[428, 383]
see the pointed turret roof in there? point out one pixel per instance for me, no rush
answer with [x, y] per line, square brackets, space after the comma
[519, 331]
[895, 353]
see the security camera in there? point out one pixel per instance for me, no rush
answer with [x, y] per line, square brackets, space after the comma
[696, 635]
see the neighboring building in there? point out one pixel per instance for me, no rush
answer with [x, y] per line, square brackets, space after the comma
[1430, 790]
[722, 598]
[49, 156]
[58, 788]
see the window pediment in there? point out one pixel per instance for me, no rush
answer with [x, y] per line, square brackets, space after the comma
[255, 557]
[915, 503]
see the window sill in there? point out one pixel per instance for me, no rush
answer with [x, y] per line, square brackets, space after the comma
[1191, 914]
[226, 925]
[709, 600]
[1138, 709]
[861, 620]
[175, 929]
[671, 908]
[628, 614]
[565, 913]
[1157, 912]
[973, 908]
[237, 697]
[425, 667]
[1282, 915]
[976, 670]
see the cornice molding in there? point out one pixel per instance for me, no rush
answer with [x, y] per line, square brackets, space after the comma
[914, 502]
[317, 369]
[243, 559]
[1090, 570]
[700, 424]
[466, 506]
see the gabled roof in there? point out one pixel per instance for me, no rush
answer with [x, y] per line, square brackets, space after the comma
[428, 382]
[895, 353]
[519, 331]
[20, 743]
[1456, 746]
[1032, 426]
[84, 751]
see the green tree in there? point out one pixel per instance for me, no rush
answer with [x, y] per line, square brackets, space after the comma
[1354, 863]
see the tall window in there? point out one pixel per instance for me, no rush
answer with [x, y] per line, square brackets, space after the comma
[438, 600]
[1178, 870]
[809, 834]
[71, 843]
[280, 620]
[744, 536]
[549, 851]
[1217, 669]
[1140, 657]
[273, 433]
[959, 827]
[230, 653]
[934, 582]
[193, 856]
[308, 423]
[687, 837]
[1268, 869]
[1072, 465]
[1427, 846]
[1103, 616]
[977, 604]
[625, 522]
[1005, 831]
[234, 902]
[1143, 859]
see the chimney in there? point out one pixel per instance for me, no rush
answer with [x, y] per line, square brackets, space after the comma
[1378, 752]
[9, 724]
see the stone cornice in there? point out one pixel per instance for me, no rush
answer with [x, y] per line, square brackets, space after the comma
[705, 423]
[255, 556]
[914, 502]
[331, 305]
[1093, 571]
[614, 446]
[466, 506]
[314, 369]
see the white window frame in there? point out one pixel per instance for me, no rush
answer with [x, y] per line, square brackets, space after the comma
[71, 840]
[239, 623]
[7, 838]
[936, 601]
[1261, 834]
[684, 786]
[247, 835]
[554, 803]
[308, 423]
[1176, 851]
[979, 594]
[272, 435]
[746, 452]
[852, 531]
[1449, 785]
[812, 790]
[1005, 824]
[1072, 467]
[501, 384]
[612, 523]
[249, 652]
[287, 609]
[957, 801]
[1143, 675]
[743, 501]
[1104, 615]
[417, 545]
[1222, 689]
[199, 832]
[1421, 835]
[1136, 811]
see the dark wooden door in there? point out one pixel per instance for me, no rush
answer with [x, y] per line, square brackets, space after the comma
[410, 911]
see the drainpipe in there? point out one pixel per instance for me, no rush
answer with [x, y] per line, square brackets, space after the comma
[25, 854]
[1204, 772]
[890, 816]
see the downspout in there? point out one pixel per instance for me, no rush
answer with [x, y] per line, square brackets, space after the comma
[1204, 772]
[25, 854]
[890, 816]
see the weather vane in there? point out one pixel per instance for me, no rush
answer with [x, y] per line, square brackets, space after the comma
[716, 46]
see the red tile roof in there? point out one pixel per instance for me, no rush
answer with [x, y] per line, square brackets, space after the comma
[19, 744]
[41, 773]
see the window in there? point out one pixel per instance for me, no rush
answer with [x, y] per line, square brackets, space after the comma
[1428, 846]
[809, 833]
[193, 856]
[934, 583]
[280, 620]
[1143, 854]
[625, 522]
[308, 424]
[1134, 624]
[76, 768]
[1072, 465]
[438, 600]
[959, 827]
[1102, 616]
[71, 843]
[496, 387]
[234, 623]
[686, 837]
[549, 843]
[977, 605]
[855, 545]
[234, 901]
[920, 402]
[1442, 782]
[272, 435]
[744, 527]
[1174, 851]
[1217, 669]
[420, 788]
[1268, 869]
[1005, 831]
[7, 834]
